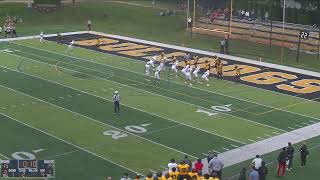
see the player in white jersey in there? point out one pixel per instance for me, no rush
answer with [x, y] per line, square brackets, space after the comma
[189, 75]
[152, 62]
[162, 61]
[205, 77]
[148, 69]
[70, 47]
[184, 71]
[174, 66]
[157, 75]
[195, 73]
[41, 37]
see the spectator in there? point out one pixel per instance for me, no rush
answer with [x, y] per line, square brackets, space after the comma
[226, 44]
[187, 161]
[172, 164]
[282, 158]
[149, 176]
[290, 152]
[137, 177]
[263, 171]
[266, 16]
[214, 177]
[167, 176]
[257, 162]
[125, 177]
[254, 175]
[210, 156]
[243, 14]
[183, 170]
[159, 175]
[304, 154]
[215, 166]
[192, 173]
[174, 174]
[198, 165]
[222, 46]
[247, 15]
[243, 174]
[89, 23]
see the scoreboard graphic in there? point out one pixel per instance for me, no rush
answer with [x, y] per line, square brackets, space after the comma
[27, 168]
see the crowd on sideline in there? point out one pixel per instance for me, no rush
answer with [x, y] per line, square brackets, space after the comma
[9, 27]
[241, 14]
[186, 170]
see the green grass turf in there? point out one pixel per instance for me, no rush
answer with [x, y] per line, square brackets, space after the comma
[141, 22]
[71, 163]
[244, 109]
[96, 80]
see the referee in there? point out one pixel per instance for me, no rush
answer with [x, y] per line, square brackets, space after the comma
[116, 100]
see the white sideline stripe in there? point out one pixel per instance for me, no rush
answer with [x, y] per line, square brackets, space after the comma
[134, 107]
[269, 145]
[37, 36]
[6, 158]
[234, 58]
[183, 49]
[191, 86]
[94, 120]
[69, 143]
[282, 130]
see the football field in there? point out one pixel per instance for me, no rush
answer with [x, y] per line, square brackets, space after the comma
[58, 106]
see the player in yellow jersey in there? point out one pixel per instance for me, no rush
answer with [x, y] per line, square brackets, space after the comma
[166, 177]
[149, 176]
[98, 44]
[193, 173]
[183, 170]
[174, 174]
[237, 70]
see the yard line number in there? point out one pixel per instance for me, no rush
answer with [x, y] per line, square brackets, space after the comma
[132, 128]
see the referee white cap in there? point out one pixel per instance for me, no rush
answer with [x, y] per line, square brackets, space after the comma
[116, 92]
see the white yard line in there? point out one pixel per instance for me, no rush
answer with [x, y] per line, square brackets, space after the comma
[5, 157]
[69, 143]
[186, 85]
[157, 95]
[234, 58]
[94, 120]
[137, 108]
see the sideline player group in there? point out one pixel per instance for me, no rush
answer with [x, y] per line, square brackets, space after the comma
[189, 72]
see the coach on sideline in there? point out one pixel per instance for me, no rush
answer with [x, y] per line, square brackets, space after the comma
[116, 100]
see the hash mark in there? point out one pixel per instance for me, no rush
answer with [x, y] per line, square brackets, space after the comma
[268, 135]
[61, 97]
[306, 124]
[226, 149]
[234, 145]
[251, 140]
[291, 128]
[13, 106]
[275, 133]
[52, 99]
[205, 154]
[260, 138]
[298, 125]
[69, 96]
